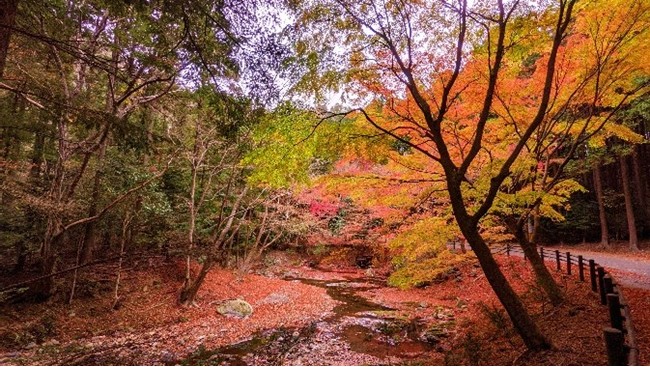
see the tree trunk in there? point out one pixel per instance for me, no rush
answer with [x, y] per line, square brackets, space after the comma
[639, 186]
[191, 228]
[43, 289]
[629, 208]
[125, 238]
[8, 10]
[189, 292]
[542, 274]
[598, 187]
[90, 230]
[21, 257]
[523, 323]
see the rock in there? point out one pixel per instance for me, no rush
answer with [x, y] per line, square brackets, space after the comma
[235, 308]
[370, 272]
[31, 345]
[434, 334]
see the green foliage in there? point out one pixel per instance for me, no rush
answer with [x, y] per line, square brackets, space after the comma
[287, 143]
[402, 147]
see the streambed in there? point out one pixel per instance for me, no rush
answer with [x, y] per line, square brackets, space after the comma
[359, 331]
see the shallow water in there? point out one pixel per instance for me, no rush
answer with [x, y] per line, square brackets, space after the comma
[357, 324]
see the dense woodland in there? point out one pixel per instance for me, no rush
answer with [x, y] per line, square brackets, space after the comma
[210, 132]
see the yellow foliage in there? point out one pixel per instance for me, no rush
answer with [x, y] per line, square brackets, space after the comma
[423, 253]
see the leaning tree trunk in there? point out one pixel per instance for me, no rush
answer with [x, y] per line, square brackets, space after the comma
[542, 274]
[189, 292]
[523, 323]
[629, 208]
[598, 187]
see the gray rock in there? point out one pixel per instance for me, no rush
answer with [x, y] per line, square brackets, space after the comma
[235, 308]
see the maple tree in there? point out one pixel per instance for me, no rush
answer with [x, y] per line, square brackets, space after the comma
[396, 128]
[445, 106]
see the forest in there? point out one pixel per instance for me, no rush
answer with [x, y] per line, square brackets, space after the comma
[322, 182]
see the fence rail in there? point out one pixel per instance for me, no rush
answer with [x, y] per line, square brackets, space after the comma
[620, 338]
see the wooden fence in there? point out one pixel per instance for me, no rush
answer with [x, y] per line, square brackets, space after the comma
[620, 339]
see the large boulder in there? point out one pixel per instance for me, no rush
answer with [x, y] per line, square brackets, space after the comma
[235, 308]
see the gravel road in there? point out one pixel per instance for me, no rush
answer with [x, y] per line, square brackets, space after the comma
[634, 273]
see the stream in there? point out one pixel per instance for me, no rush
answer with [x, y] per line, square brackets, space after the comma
[359, 332]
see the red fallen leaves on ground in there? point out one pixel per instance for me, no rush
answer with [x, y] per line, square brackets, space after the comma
[150, 318]
[150, 325]
[485, 335]
[639, 302]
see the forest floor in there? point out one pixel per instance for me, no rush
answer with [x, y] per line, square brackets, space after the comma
[303, 316]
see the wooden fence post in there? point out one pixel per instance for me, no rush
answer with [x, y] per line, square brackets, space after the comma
[541, 253]
[608, 284]
[568, 263]
[615, 317]
[581, 269]
[601, 285]
[615, 349]
[557, 259]
[508, 249]
[592, 275]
